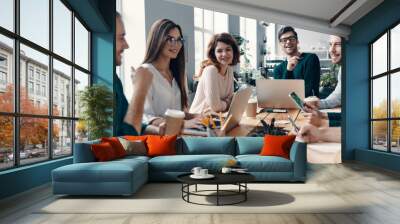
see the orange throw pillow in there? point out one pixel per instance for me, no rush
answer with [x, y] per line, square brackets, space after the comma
[135, 138]
[276, 145]
[161, 145]
[116, 145]
[103, 152]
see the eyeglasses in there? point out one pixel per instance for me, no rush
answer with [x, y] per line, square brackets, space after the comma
[290, 39]
[175, 41]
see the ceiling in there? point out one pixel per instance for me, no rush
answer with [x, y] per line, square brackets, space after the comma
[325, 16]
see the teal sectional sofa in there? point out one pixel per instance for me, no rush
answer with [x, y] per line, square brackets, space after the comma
[125, 176]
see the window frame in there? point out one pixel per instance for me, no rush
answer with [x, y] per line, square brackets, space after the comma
[16, 115]
[388, 74]
[204, 31]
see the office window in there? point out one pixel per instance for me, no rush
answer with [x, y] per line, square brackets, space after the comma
[248, 30]
[81, 45]
[62, 29]
[81, 81]
[62, 140]
[37, 74]
[62, 74]
[37, 91]
[7, 80]
[3, 78]
[30, 72]
[34, 24]
[6, 142]
[7, 14]
[30, 87]
[206, 23]
[3, 72]
[45, 127]
[385, 96]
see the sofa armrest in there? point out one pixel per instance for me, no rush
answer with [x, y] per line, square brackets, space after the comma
[83, 152]
[298, 155]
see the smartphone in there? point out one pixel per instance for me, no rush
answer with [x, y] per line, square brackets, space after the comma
[297, 129]
[296, 99]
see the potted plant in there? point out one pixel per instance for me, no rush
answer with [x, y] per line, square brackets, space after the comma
[328, 82]
[96, 104]
[242, 43]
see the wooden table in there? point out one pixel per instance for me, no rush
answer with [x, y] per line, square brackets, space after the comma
[321, 152]
[247, 124]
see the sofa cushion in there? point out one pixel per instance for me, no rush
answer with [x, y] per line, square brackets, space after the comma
[249, 145]
[185, 163]
[135, 138]
[136, 147]
[112, 171]
[103, 152]
[277, 145]
[209, 145]
[116, 145]
[161, 145]
[257, 163]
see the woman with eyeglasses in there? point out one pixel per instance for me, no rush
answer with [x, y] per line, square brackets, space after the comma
[215, 89]
[160, 82]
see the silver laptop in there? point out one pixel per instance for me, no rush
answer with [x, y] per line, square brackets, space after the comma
[237, 108]
[274, 93]
[235, 112]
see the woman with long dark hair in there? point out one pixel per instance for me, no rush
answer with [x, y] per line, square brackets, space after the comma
[215, 90]
[160, 82]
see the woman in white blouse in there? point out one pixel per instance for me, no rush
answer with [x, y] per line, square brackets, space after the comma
[215, 90]
[160, 82]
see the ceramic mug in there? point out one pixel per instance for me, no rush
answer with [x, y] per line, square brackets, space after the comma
[203, 172]
[196, 171]
[226, 170]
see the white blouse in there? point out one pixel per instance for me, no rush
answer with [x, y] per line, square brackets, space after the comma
[161, 95]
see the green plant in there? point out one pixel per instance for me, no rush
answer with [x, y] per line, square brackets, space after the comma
[245, 67]
[329, 79]
[96, 103]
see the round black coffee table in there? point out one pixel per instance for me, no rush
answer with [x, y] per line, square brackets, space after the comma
[238, 179]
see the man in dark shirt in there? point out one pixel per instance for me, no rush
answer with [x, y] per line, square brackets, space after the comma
[298, 65]
[121, 103]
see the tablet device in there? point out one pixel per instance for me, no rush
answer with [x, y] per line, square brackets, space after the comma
[296, 99]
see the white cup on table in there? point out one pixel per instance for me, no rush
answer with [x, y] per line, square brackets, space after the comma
[203, 172]
[196, 170]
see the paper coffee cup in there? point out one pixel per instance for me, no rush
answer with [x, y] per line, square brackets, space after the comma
[251, 110]
[174, 121]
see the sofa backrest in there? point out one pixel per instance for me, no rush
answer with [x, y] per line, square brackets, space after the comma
[249, 145]
[209, 145]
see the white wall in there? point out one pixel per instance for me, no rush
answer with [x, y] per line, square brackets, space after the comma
[182, 15]
[133, 14]
[138, 16]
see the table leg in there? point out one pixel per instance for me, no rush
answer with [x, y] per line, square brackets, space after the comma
[217, 194]
[245, 191]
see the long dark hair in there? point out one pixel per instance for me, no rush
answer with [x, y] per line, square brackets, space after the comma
[212, 59]
[156, 41]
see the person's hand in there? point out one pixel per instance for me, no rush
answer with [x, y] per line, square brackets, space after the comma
[193, 123]
[162, 128]
[309, 134]
[317, 118]
[292, 62]
[311, 103]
